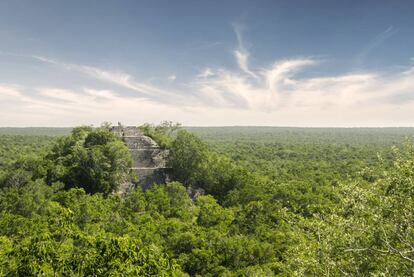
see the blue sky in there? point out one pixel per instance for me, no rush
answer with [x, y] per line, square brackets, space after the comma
[279, 63]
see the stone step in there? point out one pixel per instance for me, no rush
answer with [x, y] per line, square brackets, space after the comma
[148, 157]
[150, 176]
[131, 131]
[139, 142]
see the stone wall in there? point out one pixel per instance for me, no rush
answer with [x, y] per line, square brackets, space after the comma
[149, 158]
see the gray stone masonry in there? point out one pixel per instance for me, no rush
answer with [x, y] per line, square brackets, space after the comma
[149, 159]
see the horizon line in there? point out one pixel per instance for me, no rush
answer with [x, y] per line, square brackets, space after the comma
[229, 126]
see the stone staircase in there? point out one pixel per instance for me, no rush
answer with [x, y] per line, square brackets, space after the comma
[149, 159]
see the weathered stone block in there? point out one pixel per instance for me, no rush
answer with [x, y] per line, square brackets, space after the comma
[147, 177]
[140, 142]
[149, 158]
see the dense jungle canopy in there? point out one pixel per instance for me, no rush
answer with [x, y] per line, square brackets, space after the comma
[275, 202]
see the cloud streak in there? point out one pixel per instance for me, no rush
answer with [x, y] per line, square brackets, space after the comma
[121, 79]
[375, 43]
[241, 54]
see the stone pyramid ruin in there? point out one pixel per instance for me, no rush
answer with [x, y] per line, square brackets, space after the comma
[149, 158]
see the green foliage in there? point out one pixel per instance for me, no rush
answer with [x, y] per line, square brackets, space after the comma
[284, 202]
[34, 132]
[161, 133]
[196, 166]
[94, 159]
[211, 213]
[186, 156]
[49, 232]
[170, 200]
[377, 221]
[13, 147]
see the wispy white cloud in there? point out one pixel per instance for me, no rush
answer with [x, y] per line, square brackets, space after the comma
[63, 107]
[116, 77]
[275, 95]
[207, 72]
[241, 53]
[281, 72]
[25, 98]
[355, 98]
[9, 91]
[375, 43]
[172, 77]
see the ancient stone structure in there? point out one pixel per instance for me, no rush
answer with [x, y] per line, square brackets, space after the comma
[149, 159]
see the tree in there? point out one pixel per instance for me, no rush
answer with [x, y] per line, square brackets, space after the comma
[94, 159]
[211, 213]
[371, 229]
[187, 153]
[162, 133]
[381, 217]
